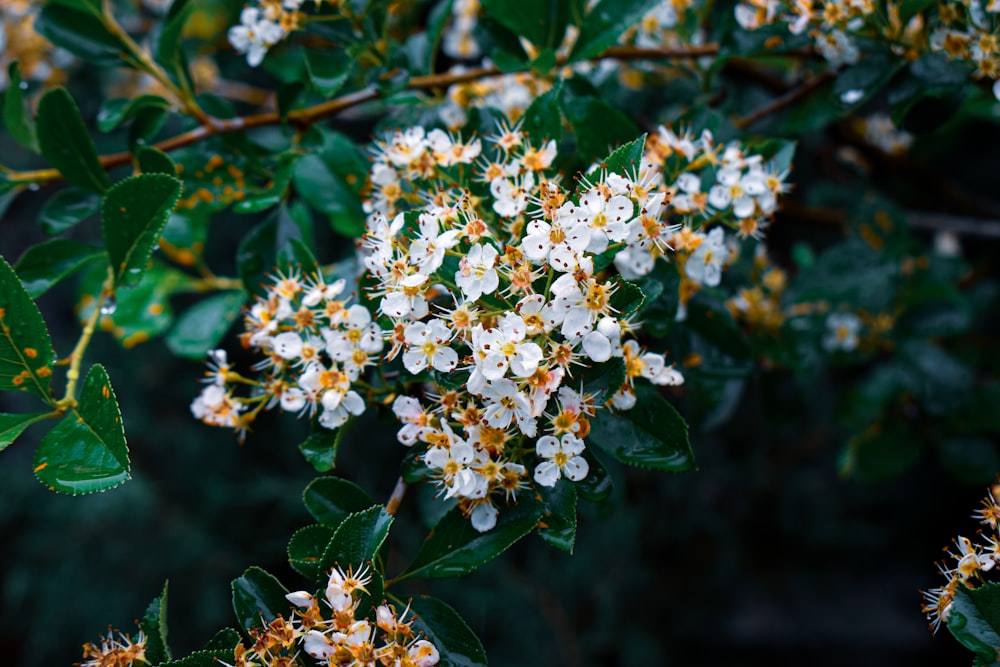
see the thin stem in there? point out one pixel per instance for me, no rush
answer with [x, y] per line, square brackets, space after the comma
[310, 115]
[786, 100]
[76, 358]
[396, 499]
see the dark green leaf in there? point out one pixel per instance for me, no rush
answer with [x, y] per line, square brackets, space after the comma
[225, 639]
[154, 161]
[203, 325]
[597, 485]
[134, 213]
[331, 499]
[559, 519]
[202, 659]
[116, 111]
[650, 435]
[258, 594]
[542, 119]
[357, 540]
[12, 426]
[81, 33]
[64, 141]
[67, 208]
[154, 624]
[328, 71]
[971, 460]
[168, 44]
[86, 451]
[305, 550]
[455, 548]
[15, 111]
[327, 192]
[603, 380]
[627, 299]
[542, 23]
[910, 8]
[26, 353]
[45, 264]
[443, 627]
[862, 80]
[320, 448]
[597, 126]
[882, 452]
[974, 619]
[606, 23]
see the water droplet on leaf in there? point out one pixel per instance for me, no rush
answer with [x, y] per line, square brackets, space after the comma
[109, 306]
[852, 96]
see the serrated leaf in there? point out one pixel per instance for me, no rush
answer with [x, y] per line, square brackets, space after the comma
[328, 71]
[627, 158]
[559, 520]
[603, 380]
[627, 299]
[305, 550]
[357, 539]
[64, 141]
[330, 500]
[443, 627]
[46, 264]
[225, 639]
[86, 451]
[12, 426]
[327, 192]
[202, 659]
[15, 111]
[258, 594]
[203, 325]
[26, 353]
[454, 547]
[320, 448]
[154, 161]
[67, 208]
[605, 23]
[974, 619]
[133, 216]
[154, 625]
[259, 250]
[650, 435]
[543, 23]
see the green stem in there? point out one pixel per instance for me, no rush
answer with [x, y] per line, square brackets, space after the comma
[76, 358]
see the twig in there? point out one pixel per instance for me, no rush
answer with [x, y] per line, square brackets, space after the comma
[786, 100]
[392, 505]
[932, 221]
[313, 114]
[76, 358]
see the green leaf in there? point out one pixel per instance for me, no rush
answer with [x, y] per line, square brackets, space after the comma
[974, 619]
[864, 79]
[455, 548]
[625, 159]
[26, 353]
[116, 111]
[627, 299]
[597, 485]
[328, 71]
[154, 624]
[64, 141]
[168, 44]
[15, 111]
[202, 659]
[971, 460]
[597, 126]
[12, 426]
[258, 594]
[154, 161]
[134, 213]
[86, 451]
[357, 539]
[67, 208]
[543, 23]
[605, 23]
[46, 264]
[326, 191]
[560, 515]
[330, 500]
[225, 639]
[139, 313]
[320, 448]
[267, 244]
[305, 550]
[203, 325]
[651, 435]
[542, 119]
[443, 627]
[81, 33]
[603, 380]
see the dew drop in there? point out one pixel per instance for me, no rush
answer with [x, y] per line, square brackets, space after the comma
[109, 306]
[851, 96]
[34, 187]
[23, 85]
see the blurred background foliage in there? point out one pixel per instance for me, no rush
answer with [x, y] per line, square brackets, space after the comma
[828, 480]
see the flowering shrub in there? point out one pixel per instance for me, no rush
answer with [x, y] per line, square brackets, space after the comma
[522, 241]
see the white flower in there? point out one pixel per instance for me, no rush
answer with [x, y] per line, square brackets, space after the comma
[477, 274]
[563, 459]
[841, 332]
[484, 516]
[422, 653]
[607, 218]
[426, 343]
[558, 242]
[428, 249]
[409, 410]
[505, 346]
[254, 35]
[704, 266]
[511, 196]
[507, 403]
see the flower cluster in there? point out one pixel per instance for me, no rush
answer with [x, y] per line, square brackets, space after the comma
[264, 25]
[37, 59]
[967, 31]
[333, 632]
[970, 560]
[112, 651]
[315, 346]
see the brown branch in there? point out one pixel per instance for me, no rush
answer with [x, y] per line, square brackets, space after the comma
[932, 221]
[313, 114]
[786, 100]
[396, 499]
